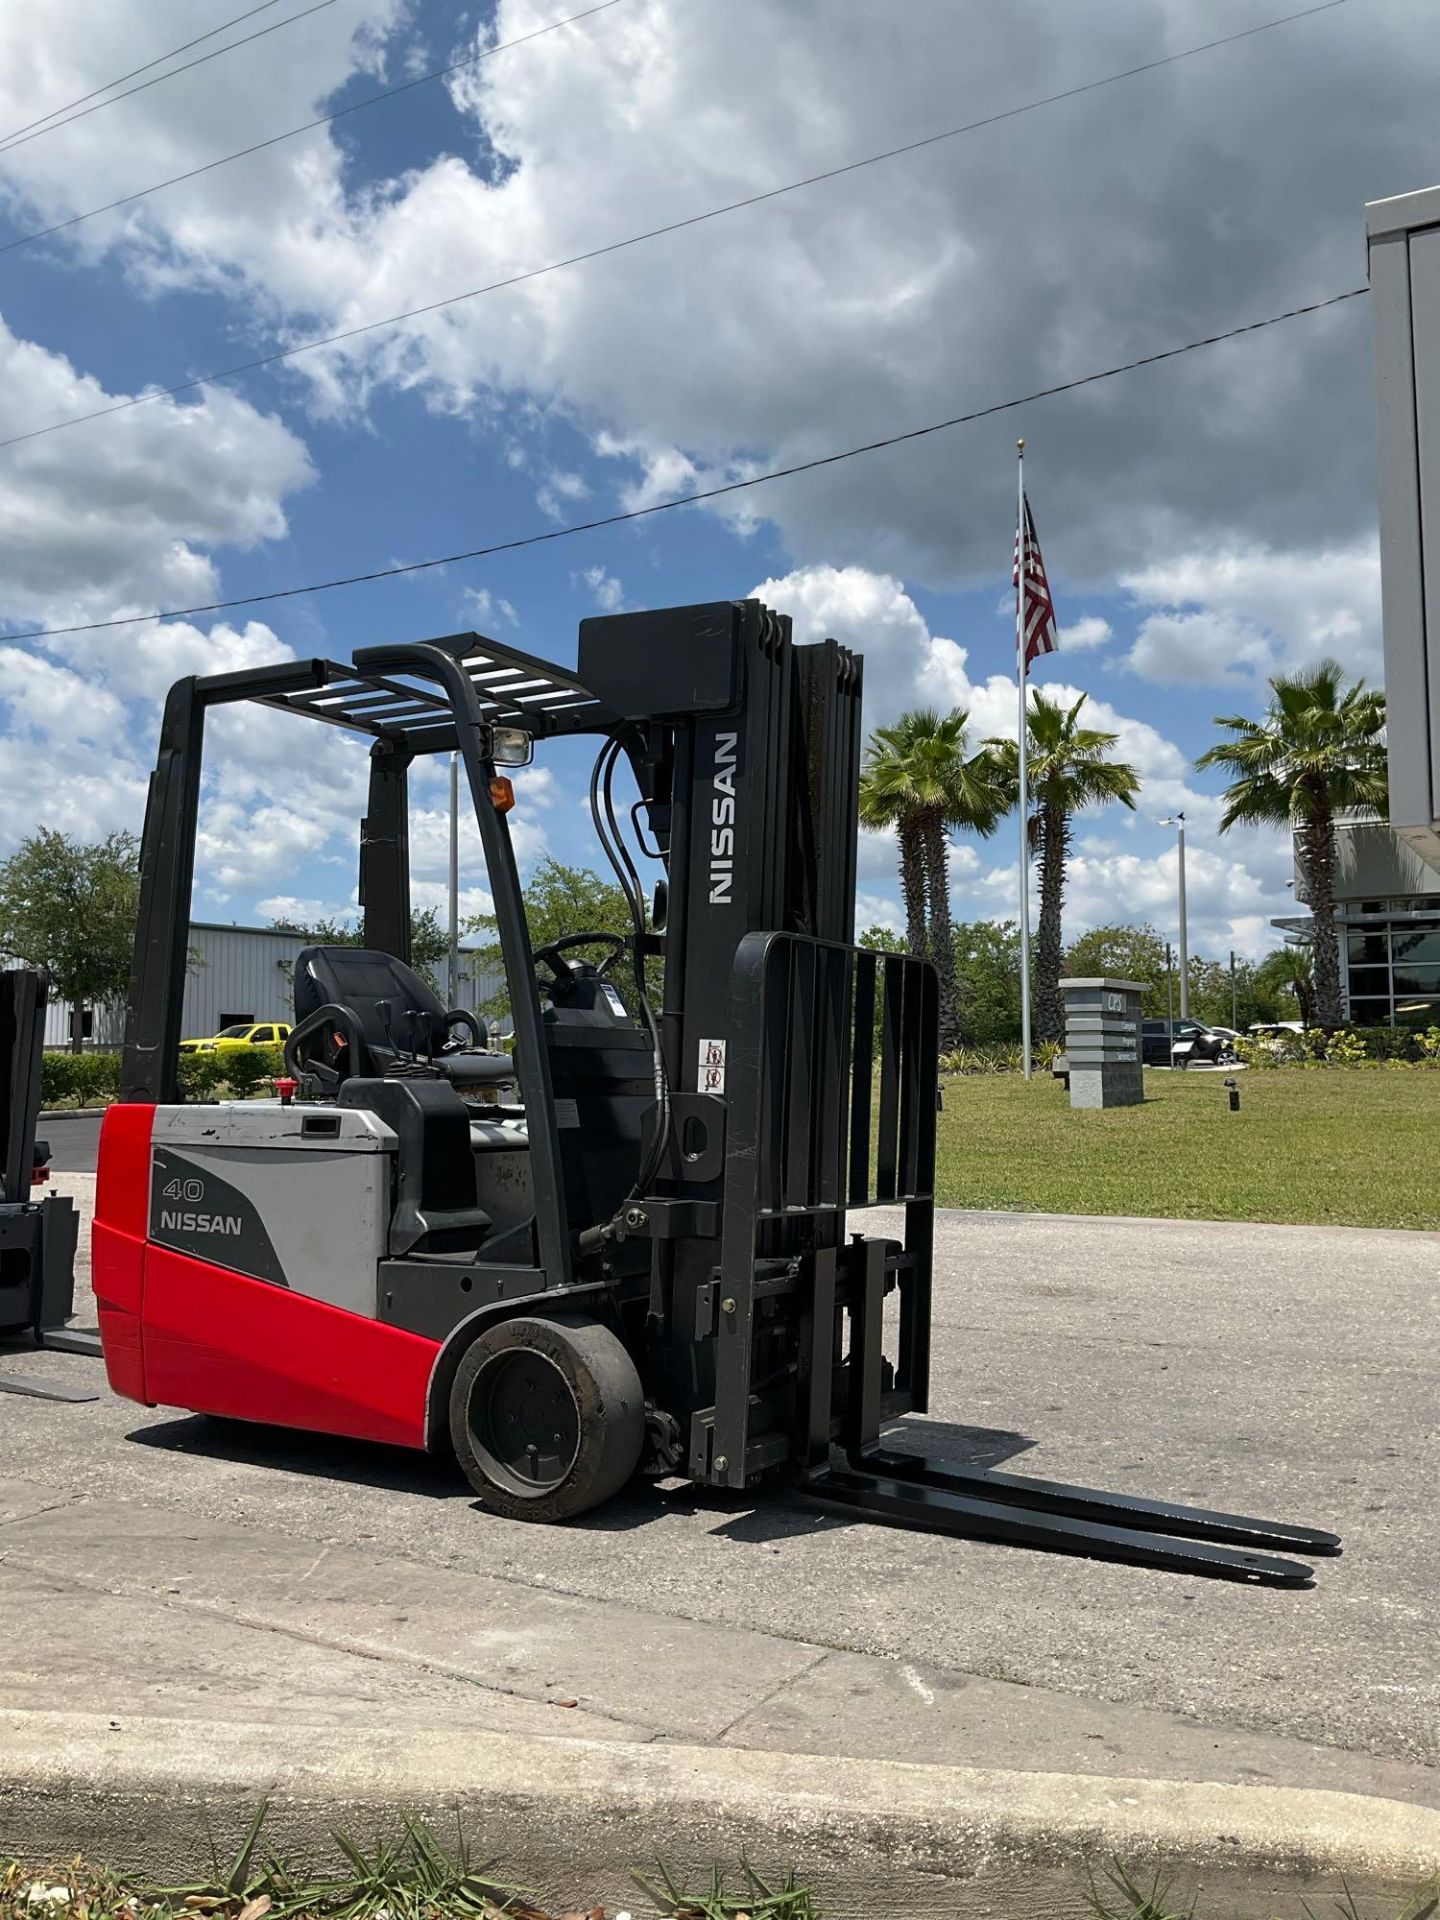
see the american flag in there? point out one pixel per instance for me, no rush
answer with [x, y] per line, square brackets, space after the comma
[1039, 617]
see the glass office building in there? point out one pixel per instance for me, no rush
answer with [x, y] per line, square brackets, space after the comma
[1387, 911]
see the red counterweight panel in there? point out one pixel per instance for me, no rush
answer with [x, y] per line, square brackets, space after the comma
[220, 1342]
[117, 1243]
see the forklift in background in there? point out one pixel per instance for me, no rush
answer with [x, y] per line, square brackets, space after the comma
[631, 1244]
[37, 1237]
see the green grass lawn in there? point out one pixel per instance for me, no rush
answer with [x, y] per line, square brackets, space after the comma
[1334, 1147]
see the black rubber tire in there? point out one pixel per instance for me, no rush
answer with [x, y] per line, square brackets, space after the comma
[516, 1377]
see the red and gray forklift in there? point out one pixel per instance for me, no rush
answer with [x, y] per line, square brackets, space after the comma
[635, 1240]
[37, 1236]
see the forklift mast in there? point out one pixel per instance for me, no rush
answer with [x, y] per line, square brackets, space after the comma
[747, 750]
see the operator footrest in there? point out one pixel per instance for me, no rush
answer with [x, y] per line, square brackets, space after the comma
[903, 1489]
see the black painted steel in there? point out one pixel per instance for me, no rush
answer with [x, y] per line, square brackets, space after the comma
[1088, 1503]
[939, 1509]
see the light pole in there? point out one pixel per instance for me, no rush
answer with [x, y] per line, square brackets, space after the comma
[1178, 820]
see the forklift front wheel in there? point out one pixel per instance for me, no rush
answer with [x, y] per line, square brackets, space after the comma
[547, 1416]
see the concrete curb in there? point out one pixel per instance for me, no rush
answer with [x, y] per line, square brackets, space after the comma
[572, 1817]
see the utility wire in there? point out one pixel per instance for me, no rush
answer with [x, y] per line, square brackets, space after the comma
[370, 100]
[158, 61]
[637, 239]
[24, 139]
[702, 493]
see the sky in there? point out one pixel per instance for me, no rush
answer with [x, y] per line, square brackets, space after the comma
[1206, 522]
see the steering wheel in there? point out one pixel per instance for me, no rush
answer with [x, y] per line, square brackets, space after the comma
[560, 971]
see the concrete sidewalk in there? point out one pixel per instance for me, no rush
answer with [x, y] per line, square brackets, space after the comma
[165, 1674]
[131, 1610]
[250, 1611]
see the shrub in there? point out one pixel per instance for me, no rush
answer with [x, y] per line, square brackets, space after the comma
[1001, 1056]
[245, 1070]
[1345, 1048]
[1388, 1043]
[79, 1079]
[199, 1075]
[238, 1074]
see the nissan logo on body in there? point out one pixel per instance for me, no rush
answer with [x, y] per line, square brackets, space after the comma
[722, 820]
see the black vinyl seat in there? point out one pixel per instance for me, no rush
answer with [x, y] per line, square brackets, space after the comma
[393, 1024]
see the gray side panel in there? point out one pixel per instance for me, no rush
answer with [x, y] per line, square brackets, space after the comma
[320, 1205]
[195, 1211]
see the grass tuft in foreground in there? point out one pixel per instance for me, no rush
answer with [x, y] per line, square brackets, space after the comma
[416, 1876]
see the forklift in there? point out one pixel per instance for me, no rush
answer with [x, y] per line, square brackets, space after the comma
[37, 1237]
[629, 1239]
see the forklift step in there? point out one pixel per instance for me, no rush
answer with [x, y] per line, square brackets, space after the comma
[933, 1506]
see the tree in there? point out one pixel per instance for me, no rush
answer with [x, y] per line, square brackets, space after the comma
[70, 909]
[1069, 770]
[560, 900]
[987, 969]
[1319, 752]
[1288, 973]
[920, 778]
[1124, 953]
[429, 942]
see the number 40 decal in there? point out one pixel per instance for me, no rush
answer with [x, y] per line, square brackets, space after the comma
[191, 1190]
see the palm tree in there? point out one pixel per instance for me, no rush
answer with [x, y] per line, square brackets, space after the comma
[1069, 770]
[920, 778]
[1319, 751]
[1290, 970]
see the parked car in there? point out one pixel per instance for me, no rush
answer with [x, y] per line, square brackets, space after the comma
[1160, 1038]
[264, 1033]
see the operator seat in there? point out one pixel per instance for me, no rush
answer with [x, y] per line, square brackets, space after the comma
[397, 1027]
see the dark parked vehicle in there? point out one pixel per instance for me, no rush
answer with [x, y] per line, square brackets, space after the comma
[1159, 1038]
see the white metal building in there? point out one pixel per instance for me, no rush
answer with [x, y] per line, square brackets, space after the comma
[237, 973]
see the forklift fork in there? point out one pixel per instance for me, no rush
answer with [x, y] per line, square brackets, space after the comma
[906, 1490]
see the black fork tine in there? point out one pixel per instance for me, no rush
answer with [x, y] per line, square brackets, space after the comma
[935, 1508]
[1113, 1509]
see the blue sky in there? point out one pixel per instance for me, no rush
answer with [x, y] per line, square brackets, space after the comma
[1205, 523]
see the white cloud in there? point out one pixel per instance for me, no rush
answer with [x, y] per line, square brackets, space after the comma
[1233, 885]
[607, 591]
[489, 608]
[1244, 613]
[829, 316]
[1085, 634]
[560, 492]
[88, 531]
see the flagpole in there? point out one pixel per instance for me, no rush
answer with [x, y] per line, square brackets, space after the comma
[1024, 762]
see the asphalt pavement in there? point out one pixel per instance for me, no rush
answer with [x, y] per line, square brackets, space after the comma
[74, 1140]
[1286, 1371]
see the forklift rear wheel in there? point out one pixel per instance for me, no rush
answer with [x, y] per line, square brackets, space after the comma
[547, 1416]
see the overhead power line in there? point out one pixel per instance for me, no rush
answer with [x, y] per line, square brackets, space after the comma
[158, 61]
[700, 493]
[325, 119]
[638, 239]
[216, 53]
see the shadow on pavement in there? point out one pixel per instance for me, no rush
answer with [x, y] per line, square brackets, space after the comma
[778, 1512]
[320, 1455]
